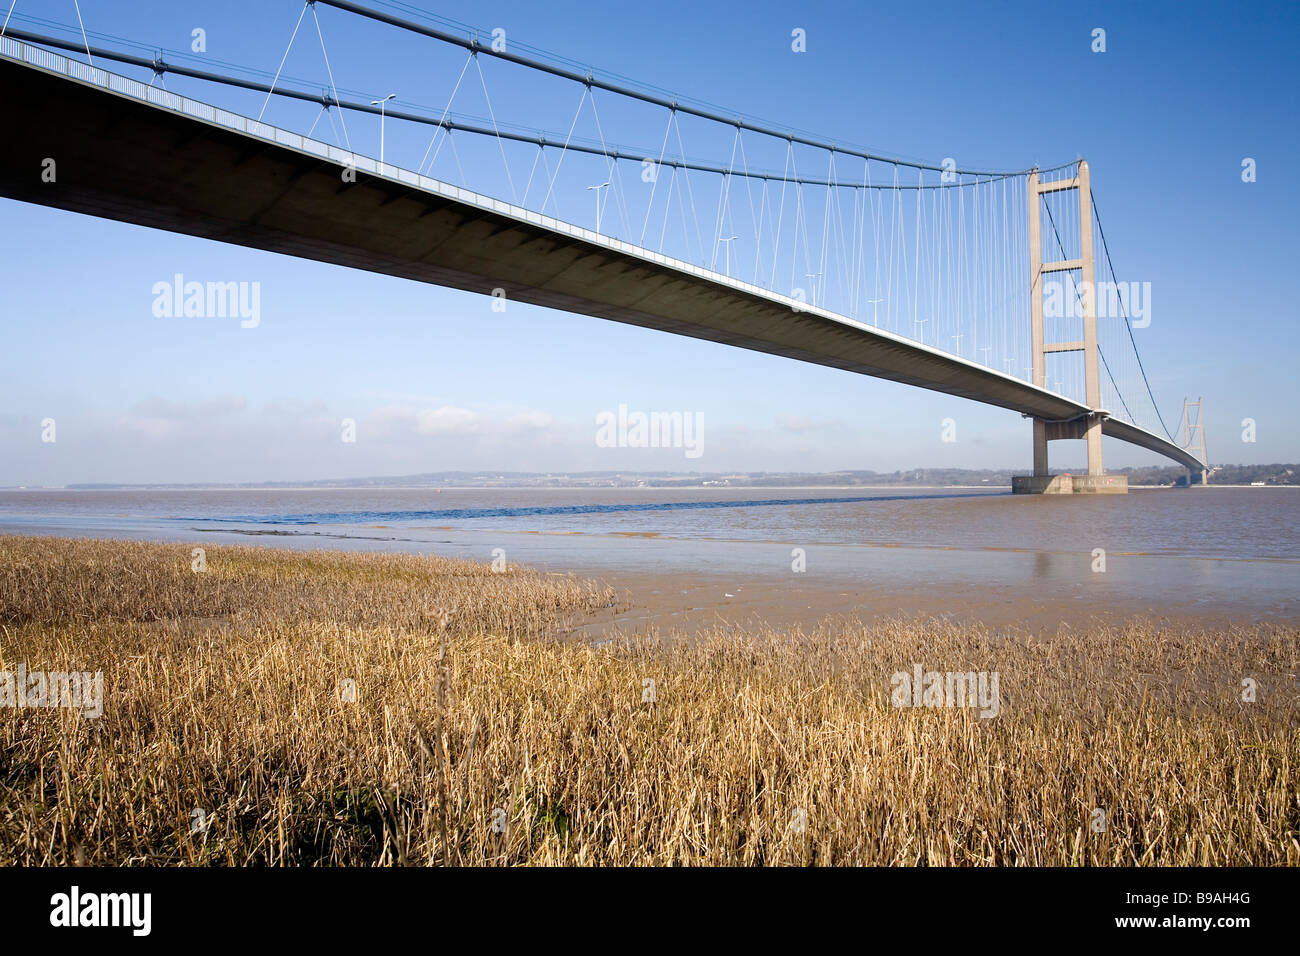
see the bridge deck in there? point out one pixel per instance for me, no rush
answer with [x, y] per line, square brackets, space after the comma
[122, 158]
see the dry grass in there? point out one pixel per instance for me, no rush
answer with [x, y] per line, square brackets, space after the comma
[221, 693]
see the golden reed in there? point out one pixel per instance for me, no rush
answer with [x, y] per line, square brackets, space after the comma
[306, 708]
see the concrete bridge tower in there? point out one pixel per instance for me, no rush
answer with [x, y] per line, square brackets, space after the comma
[1087, 427]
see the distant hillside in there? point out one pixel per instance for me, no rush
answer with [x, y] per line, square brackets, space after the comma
[1219, 475]
[1152, 476]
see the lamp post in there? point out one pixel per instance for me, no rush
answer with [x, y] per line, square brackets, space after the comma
[875, 311]
[380, 104]
[597, 189]
[727, 242]
[814, 276]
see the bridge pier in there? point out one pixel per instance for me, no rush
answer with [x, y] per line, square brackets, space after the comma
[1088, 427]
[1043, 482]
[1068, 484]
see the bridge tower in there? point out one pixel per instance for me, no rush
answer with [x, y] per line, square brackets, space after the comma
[1194, 438]
[1087, 427]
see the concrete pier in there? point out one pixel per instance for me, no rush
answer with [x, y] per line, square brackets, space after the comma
[1069, 484]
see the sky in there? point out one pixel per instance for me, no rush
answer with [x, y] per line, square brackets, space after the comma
[437, 380]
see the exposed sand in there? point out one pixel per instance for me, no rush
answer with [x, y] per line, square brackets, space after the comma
[689, 602]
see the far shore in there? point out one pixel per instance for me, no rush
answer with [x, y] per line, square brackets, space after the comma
[588, 487]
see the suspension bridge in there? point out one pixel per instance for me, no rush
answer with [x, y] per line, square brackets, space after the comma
[991, 285]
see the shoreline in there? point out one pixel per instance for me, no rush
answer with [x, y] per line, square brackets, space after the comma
[93, 489]
[760, 592]
[779, 558]
[689, 603]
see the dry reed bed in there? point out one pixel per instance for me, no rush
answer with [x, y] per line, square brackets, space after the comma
[479, 735]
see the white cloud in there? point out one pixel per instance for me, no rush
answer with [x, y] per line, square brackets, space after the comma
[160, 419]
[530, 421]
[401, 421]
[447, 420]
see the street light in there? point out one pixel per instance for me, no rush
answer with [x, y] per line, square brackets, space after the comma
[380, 104]
[728, 242]
[598, 189]
[875, 311]
[814, 276]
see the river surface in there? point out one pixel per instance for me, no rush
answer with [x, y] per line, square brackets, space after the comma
[1229, 551]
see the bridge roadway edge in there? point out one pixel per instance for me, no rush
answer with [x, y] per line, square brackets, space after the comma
[120, 158]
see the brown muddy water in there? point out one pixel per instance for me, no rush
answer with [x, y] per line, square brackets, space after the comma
[690, 557]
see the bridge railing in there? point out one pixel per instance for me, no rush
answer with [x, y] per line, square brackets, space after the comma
[134, 89]
[931, 298]
[43, 59]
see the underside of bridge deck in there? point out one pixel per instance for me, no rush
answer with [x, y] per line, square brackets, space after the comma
[123, 159]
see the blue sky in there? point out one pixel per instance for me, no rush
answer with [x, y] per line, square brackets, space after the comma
[438, 381]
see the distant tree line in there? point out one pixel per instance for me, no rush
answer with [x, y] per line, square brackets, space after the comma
[1219, 475]
[1153, 475]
